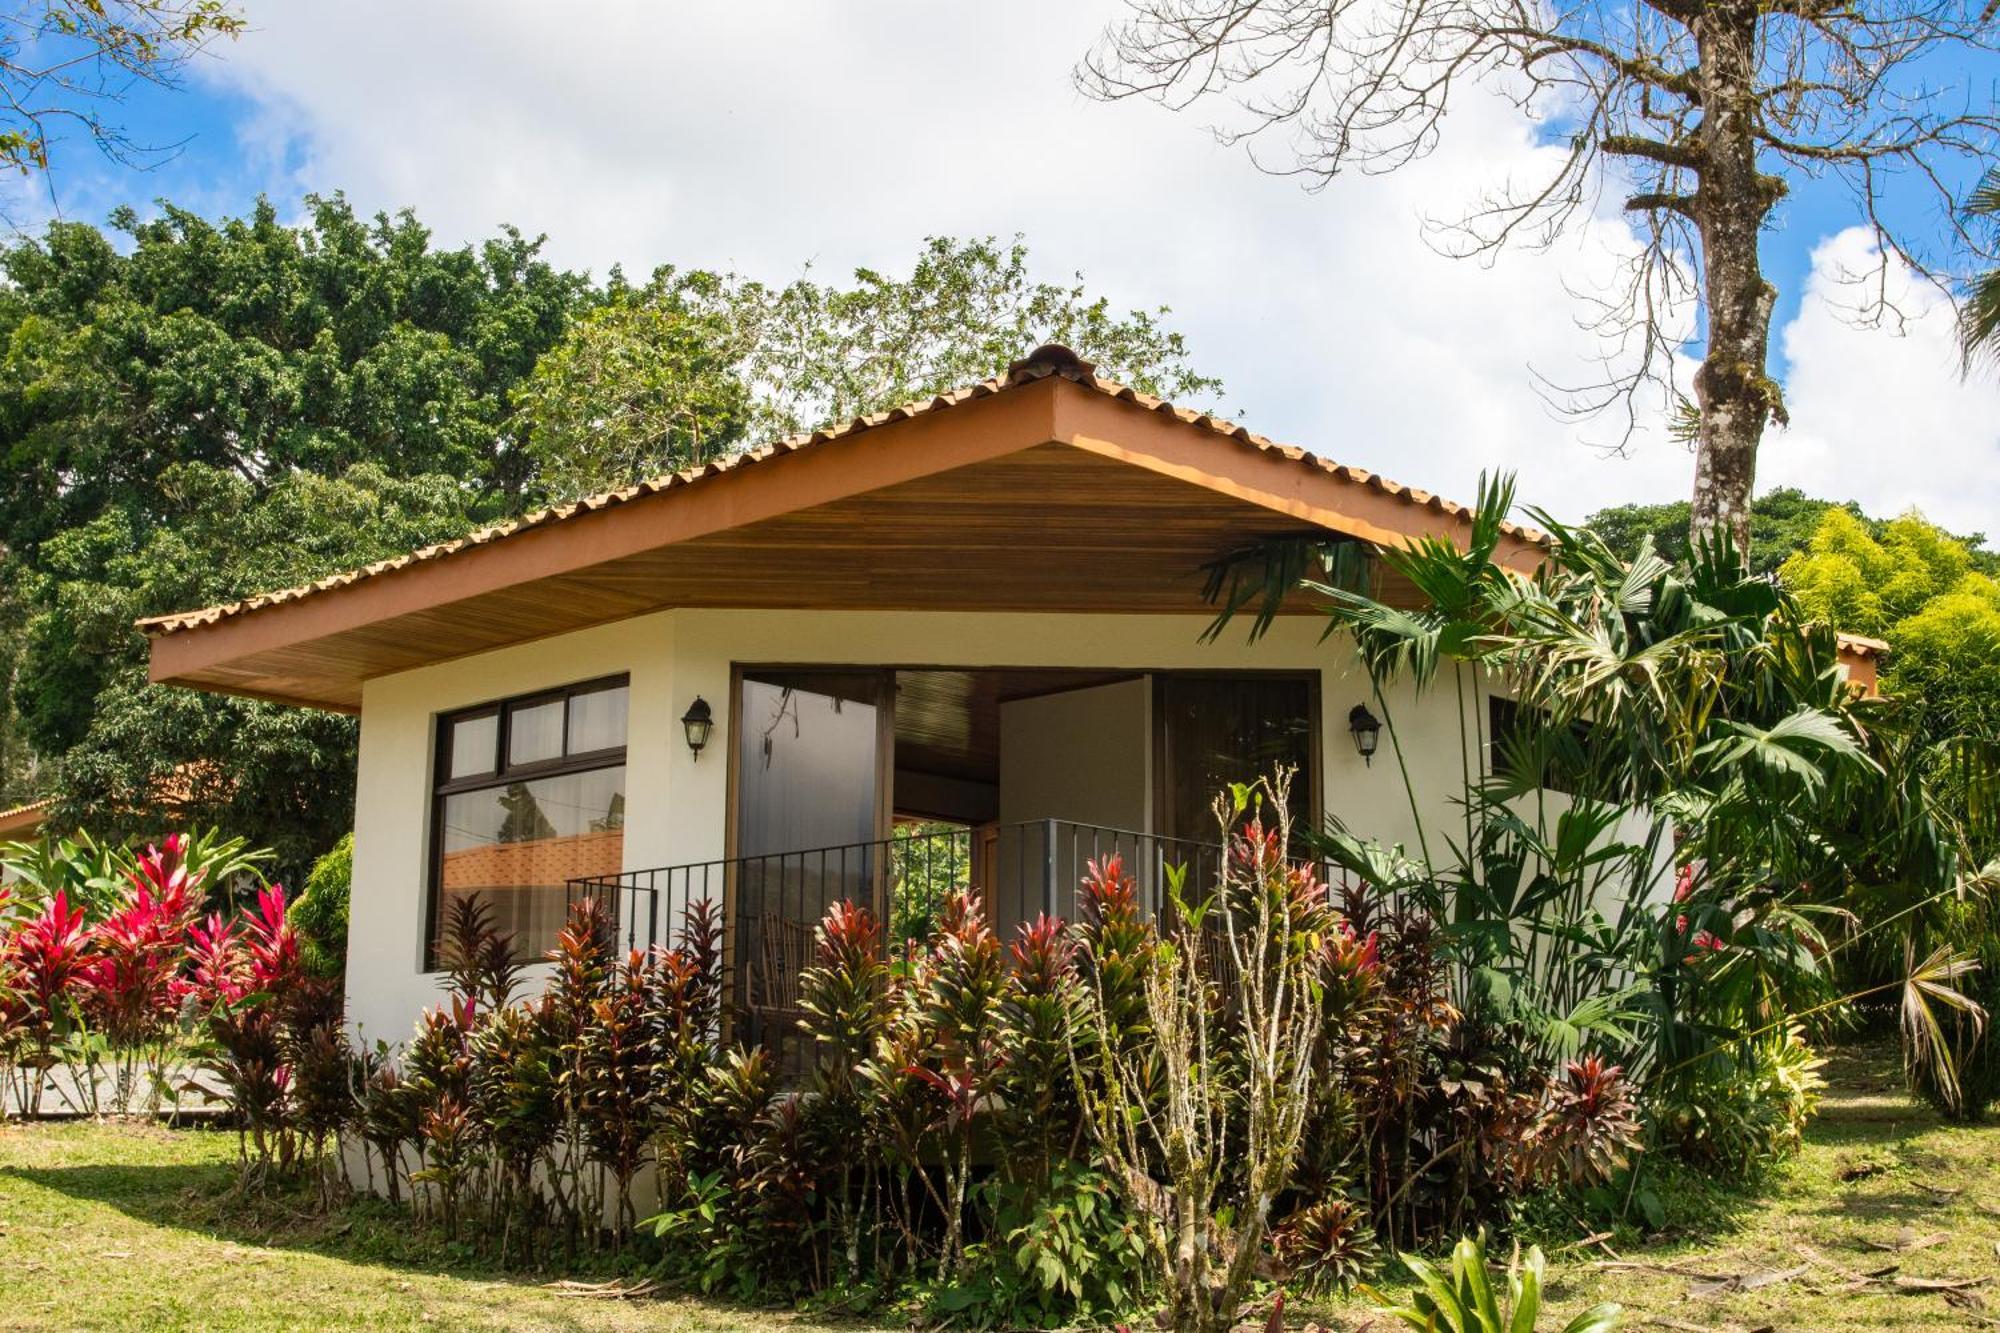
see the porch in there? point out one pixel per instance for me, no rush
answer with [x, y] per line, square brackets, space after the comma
[773, 903]
[895, 787]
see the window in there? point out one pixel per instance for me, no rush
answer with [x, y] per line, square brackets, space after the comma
[1523, 741]
[530, 794]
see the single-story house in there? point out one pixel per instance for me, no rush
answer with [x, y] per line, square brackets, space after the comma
[979, 617]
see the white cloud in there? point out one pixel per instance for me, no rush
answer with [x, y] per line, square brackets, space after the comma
[1882, 414]
[765, 136]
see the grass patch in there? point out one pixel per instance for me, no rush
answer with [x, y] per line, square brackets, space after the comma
[131, 1226]
[107, 1226]
[1877, 1172]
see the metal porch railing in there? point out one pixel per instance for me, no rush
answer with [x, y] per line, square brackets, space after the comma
[1019, 870]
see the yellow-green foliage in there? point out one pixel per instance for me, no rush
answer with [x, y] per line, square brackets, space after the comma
[1865, 584]
[1916, 586]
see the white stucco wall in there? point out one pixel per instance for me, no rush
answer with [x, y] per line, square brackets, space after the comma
[675, 807]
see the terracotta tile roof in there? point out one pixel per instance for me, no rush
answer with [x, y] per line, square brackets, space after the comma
[1039, 364]
[23, 818]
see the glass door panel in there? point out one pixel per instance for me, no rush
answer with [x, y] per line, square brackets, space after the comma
[1215, 730]
[812, 754]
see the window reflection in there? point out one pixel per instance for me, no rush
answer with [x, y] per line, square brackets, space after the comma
[518, 846]
[534, 732]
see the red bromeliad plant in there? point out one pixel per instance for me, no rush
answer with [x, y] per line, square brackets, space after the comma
[45, 954]
[129, 986]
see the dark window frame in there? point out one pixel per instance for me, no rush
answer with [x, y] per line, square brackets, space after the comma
[1503, 716]
[503, 774]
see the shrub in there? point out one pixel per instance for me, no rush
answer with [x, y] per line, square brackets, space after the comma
[1974, 1046]
[320, 912]
[1740, 1112]
[1059, 1253]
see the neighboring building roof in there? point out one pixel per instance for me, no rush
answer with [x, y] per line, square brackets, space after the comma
[23, 821]
[1862, 656]
[1051, 360]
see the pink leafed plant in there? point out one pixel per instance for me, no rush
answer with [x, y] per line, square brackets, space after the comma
[272, 943]
[129, 985]
[47, 951]
[218, 963]
[44, 955]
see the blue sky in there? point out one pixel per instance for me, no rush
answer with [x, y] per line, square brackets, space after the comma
[767, 137]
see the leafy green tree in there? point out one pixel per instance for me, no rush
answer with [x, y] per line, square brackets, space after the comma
[192, 411]
[1781, 521]
[643, 385]
[683, 369]
[19, 771]
[135, 755]
[1915, 585]
[825, 353]
[261, 348]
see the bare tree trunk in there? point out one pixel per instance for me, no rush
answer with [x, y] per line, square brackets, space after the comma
[1733, 388]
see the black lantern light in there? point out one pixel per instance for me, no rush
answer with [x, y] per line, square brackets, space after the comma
[698, 721]
[1367, 729]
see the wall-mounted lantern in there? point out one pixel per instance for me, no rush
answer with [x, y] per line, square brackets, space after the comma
[1367, 729]
[697, 722]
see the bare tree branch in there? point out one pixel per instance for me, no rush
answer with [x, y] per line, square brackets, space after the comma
[1699, 115]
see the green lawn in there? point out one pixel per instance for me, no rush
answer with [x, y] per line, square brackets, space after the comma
[1881, 1189]
[128, 1227]
[132, 1227]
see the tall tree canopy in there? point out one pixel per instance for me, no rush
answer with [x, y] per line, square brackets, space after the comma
[1702, 114]
[1783, 522]
[193, 411]
[686, 367]
[262, 348]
